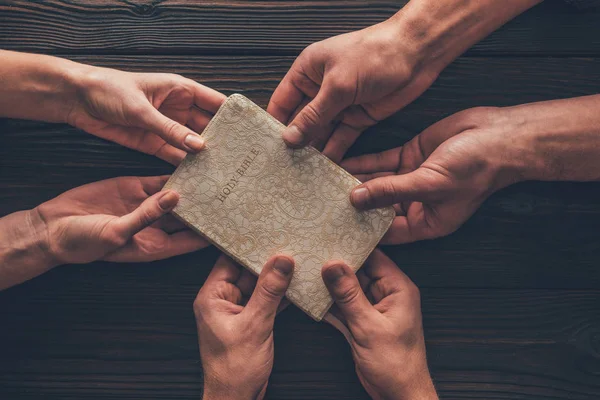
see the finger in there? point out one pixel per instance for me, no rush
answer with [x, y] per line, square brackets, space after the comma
[162, 246]
[270, 288]
[347, 293]
[246, 282]
[146, 214]
[169, 224]
[370, 163]
[170, 154]
[219, 283]
[337, 323]
[368, 177]
[403, 231]
[422, 185]
[206, 98]
[340, 141]
[286, 98]
[386, 278]
[171, 131]
[225, 269]
[198, 120]
[153, 184]
[315, 118]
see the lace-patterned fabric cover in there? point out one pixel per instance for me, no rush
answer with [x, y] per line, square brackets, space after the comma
[253, 197]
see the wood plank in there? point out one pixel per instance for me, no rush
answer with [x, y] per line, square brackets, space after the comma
[524, 237]
[128, 332]
[260, 27]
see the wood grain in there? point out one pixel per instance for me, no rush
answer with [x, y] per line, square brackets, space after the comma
[523, 237]
[114, 331]
[262, 27]
[511, 302]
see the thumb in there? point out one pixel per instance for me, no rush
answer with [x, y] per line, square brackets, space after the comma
[314, 118]
[171, 131]
[272, 283]
[146, 214]
[345, 289]
[420, 185]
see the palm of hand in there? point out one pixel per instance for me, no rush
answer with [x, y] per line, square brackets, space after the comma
[339, 87]
[121, 107]
[440, 178]
[79, 221]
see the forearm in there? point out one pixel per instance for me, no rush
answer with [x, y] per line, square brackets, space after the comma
[37, 87]
[556, 140]
[441, 30]
[23, 248]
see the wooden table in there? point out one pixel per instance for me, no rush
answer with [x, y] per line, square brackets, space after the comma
[511, 302]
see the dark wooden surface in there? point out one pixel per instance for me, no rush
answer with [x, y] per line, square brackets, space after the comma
[511, 301]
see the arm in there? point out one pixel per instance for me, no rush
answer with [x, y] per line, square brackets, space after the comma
[339, 87]
[120, 219]
[153, 113]
[439, 178]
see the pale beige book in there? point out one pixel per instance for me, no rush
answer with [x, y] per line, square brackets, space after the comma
[253, 197]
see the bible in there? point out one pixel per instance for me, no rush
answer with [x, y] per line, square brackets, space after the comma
[253, 197]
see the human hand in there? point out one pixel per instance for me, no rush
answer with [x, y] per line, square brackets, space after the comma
[437, 180]
[340, 86]
[119, 219]
[383, 327]
[235, 316]
[154, 113]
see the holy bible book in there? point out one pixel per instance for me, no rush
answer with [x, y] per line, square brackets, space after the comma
[253, 198]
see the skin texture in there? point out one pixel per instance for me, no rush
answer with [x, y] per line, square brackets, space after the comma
[154, 113]
[438, 179]
[120, 219]
[379, 312]
[340, 86]
[235, 314]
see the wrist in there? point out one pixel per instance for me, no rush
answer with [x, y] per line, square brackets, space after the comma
[419, 388]
[223, 386]
[556, 140]
[24, 248]
[441, 31]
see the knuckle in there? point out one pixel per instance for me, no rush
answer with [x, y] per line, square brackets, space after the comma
[341, 88]
[173, 130]
[148, 216]
[387, 190]
[348, 293]
[271, 289]
[311, 115]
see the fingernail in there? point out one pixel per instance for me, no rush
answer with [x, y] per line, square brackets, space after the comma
[293, 136]
[360, 197]
[284, 265]
[334, 273]
[168, 200]
[194, 142]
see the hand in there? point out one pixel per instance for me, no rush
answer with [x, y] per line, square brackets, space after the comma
[438, 179]
[340, 86]
[383, 327]
[120, 219]
[150, 112]
[235, 327]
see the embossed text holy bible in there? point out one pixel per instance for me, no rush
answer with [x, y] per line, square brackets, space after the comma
[253, 197]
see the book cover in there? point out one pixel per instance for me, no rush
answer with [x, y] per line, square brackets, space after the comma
[253, 197]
